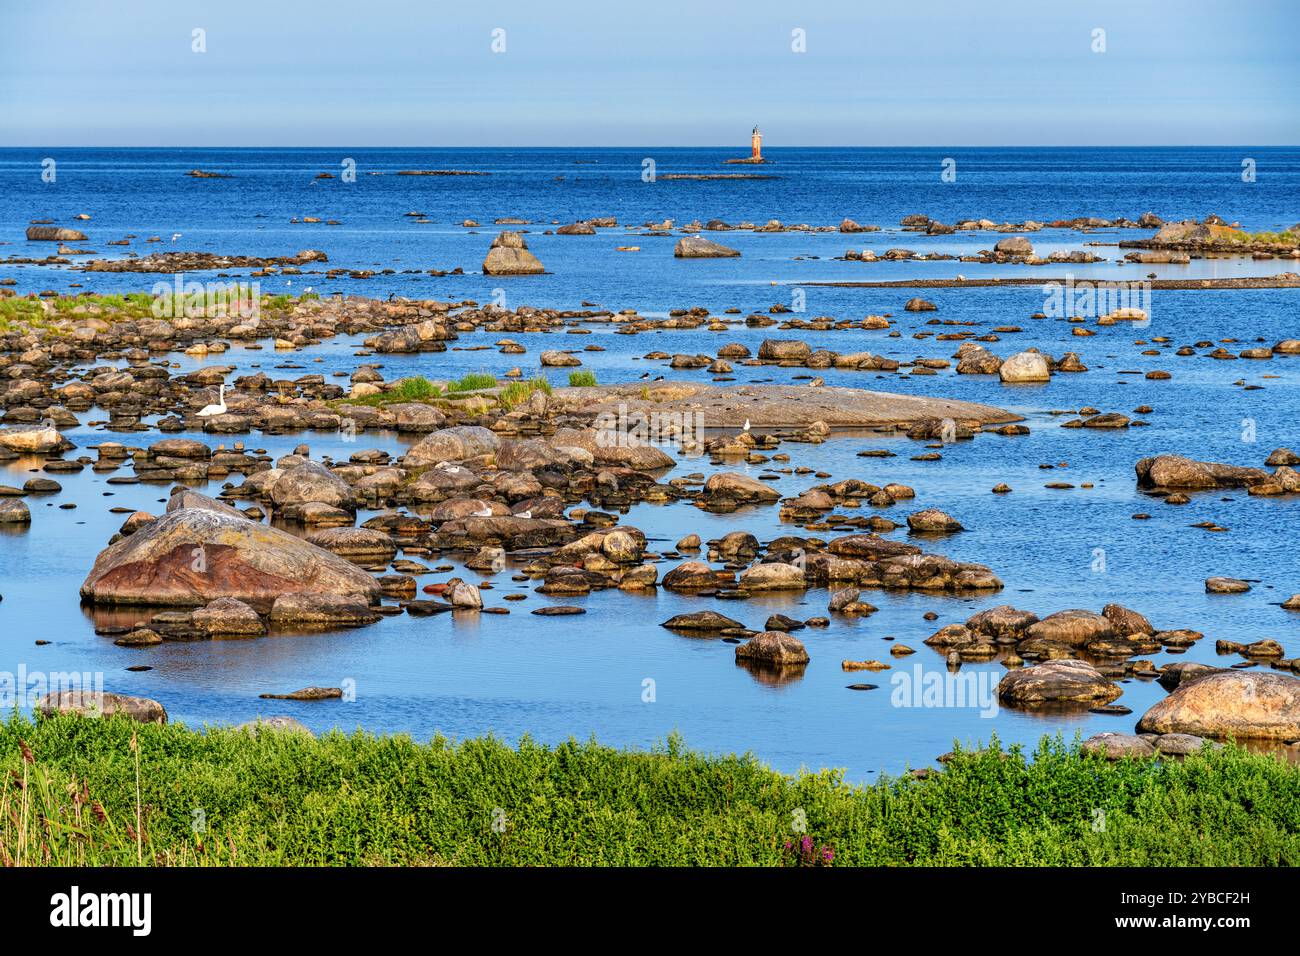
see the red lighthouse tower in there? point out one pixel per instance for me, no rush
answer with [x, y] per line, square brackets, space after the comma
[756, 146]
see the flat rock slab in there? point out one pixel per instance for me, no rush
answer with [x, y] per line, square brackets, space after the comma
[778, 406]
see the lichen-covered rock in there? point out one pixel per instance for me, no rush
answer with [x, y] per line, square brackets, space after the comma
[193, 556]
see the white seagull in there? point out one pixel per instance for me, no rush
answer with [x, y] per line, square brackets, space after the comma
[524, 514]
[745, 428]
[175, 236]
[484, 513]
[217, 409]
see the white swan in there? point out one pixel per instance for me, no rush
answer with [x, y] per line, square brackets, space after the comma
[217, 409]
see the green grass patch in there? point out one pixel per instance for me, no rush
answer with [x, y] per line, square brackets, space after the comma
[288, 799]
[414, 389]
[582, 379]
[516, 393]
[473, 382]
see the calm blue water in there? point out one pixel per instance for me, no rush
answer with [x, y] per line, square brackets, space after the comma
[556, 677]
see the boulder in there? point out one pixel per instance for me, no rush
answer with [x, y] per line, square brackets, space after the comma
[1125, 621]
[1073, 628]
[228, 617]
[54, 234]
[1239, 704]
[509, 256]
[14, 511]
[311, 482]
[1025, 367]
[737, 487]
[1177, 471]
[1059, 681]
[772, 649]
[321, 610]
[32, 440]
[702, 621]
[773, 576]
[1114, 746]
[193, 556]
[102, 704]
[452, 444]
[933, 521]
[1002, 622]
[784, 350]
[1014, 246]
[693, 247]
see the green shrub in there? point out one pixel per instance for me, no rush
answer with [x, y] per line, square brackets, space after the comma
[582, 379]
[283, 798]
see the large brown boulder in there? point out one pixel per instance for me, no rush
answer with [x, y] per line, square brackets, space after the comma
[33, 439]
[693, 247]
[1061, 681]
[452, 444]
[1241, 704]
[772, 649]
[773, 576]
[193, 556]
[1176, 471]
[1075, 628]
[228, 617]
[102, 704]
[509, 256]
[612, 443]
[784, 350]
[311, 482]
[1003, 621]
[54, 234]
[737, 487]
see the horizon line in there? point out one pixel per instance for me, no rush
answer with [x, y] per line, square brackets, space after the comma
[737, 147]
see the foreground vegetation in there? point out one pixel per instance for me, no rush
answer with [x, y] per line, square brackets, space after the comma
[77, 791]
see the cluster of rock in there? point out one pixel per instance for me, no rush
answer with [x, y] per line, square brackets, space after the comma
[1213, 235]
[921, 223]
[170, 262]
[1176, 473]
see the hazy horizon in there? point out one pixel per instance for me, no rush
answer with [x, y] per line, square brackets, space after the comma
[392, 73]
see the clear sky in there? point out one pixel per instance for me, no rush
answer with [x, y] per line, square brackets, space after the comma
[667, 72]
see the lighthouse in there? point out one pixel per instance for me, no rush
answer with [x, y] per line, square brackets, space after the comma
[756, 146]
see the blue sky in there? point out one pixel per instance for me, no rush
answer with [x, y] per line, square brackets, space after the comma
[621, 73]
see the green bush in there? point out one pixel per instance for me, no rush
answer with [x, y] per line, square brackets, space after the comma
[283, 798]
[582, 379]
